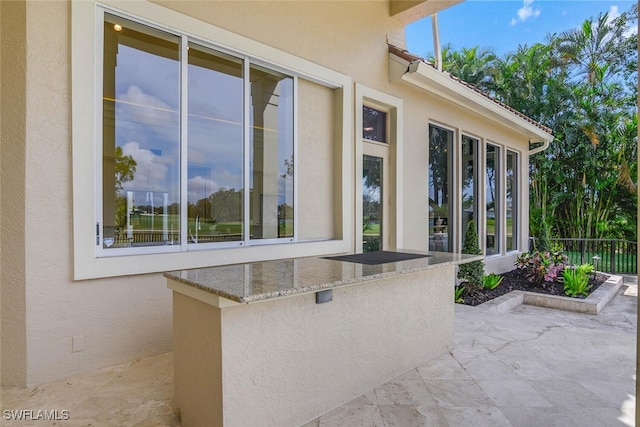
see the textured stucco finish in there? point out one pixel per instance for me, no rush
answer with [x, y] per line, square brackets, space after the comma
[13, 320]
[286, 361]
[121, 319]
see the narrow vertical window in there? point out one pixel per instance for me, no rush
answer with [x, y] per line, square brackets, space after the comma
[469, 182]
[140, 135]
[271, 154]
[440, 145]
[372, 200]
[492, 193]
[215, 149]
[512, 201]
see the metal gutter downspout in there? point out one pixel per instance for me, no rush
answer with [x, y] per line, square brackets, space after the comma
[436, 41]
[536, 150]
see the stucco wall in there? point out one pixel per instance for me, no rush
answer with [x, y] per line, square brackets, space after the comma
[316, 147]
[117, 319]
[123, 318]
[12, 194]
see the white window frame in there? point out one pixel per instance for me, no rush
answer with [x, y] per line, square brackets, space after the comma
[86, 47]
[476, 184]
[454, 184]
[516, 214]
[394, 107]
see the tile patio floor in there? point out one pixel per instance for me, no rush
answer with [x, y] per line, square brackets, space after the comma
[528, 367]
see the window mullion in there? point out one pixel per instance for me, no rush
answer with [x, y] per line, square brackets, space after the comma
[247, 152]
[295, 158]
[99, 111]
[184, 67]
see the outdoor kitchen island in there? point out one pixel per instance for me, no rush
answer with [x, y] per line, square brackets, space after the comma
[282, 342]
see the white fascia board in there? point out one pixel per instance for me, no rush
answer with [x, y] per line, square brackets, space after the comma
[426, 77]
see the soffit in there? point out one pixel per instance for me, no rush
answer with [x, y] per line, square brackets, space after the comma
[407, 11]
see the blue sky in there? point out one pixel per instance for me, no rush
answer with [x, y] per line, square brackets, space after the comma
[504, 24]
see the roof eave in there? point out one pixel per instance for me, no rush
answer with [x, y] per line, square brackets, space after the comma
[422, 75]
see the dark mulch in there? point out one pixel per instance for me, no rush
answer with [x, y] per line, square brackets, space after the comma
[515, 280]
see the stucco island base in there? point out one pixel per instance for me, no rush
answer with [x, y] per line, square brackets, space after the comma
[288, 360]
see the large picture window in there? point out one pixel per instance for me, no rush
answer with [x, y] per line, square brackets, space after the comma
[197, 148]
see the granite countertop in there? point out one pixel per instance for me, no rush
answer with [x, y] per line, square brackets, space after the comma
[259, 281]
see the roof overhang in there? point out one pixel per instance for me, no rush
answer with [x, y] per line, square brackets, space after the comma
[407, 11]
[424, 76]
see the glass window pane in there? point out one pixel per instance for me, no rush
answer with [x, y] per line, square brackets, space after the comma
[141, 135]
[469, 166]
[512, 201]
[372, 203]
[215, 150]
[491, 201]
[374, 124]
[440, 143]
[271, 154]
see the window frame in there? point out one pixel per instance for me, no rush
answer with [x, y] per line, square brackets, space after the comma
[515, 200]
[453, 150]
[499, 204]
[477, 194]
[86, 46]
[394, 145]
[185, 245]
[456, 166]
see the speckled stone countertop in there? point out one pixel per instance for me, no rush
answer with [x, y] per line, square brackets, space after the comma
[259, 281]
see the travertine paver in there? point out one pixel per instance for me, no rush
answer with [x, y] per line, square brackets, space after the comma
[529, 366]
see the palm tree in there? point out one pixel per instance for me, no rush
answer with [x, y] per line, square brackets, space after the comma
[472, 65]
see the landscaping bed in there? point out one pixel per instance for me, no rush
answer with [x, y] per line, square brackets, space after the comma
[516, 280]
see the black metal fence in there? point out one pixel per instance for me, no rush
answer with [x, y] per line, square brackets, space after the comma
[607, 255]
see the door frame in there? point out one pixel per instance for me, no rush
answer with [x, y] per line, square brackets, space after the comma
[366, 96]
[381, 151]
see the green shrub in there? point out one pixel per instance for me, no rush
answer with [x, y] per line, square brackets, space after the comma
[491, 281]
[586, 268]
[471, 272]
[458, 294]
[576, 281]
[541, 267]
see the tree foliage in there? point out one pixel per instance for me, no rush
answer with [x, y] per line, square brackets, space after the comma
[471, 272]
[582, 83]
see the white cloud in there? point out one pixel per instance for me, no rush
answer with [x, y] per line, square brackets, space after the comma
[526, 12]
[200, 188]
[613, 13]
[151, 170]
[143, 108]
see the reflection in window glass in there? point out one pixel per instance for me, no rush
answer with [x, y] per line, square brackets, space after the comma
[469, 166]
[372, 175]
[141, 135]
[491, 200]
[215, 149]
[271, 152]
[440, 145]
[512, 200]
[374, 124]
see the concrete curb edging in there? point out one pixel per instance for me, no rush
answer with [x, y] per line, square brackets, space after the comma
[593, 304]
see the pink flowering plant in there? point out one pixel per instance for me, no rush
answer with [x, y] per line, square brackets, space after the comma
[542, 267]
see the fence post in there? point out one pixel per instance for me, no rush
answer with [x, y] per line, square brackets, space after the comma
[613, 256]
